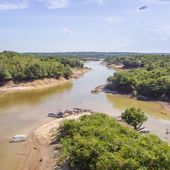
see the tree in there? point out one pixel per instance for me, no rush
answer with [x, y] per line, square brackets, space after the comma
[153, 84]
[4, 74]
[135, 117]
[15, 66]
[98, 142]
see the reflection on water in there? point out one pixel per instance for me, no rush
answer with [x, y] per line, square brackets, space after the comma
[152, 108]
[22, 111]
[31, 97]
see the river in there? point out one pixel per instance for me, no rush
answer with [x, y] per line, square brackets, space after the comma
[22, 111]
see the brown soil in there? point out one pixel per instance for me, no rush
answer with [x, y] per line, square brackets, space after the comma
[165, 105]
[40, 154]
[41, 83]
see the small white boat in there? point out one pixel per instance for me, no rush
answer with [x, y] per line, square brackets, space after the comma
[18, 138]
[144, 130]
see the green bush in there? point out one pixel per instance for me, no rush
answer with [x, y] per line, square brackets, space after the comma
[135, 117]
[149, 76]
[97, 142]
[153, 84]
[147, 61]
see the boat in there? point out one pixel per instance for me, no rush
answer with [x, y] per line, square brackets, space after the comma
[144, 130]
[58, 114]
[18, 138]
[52, 115]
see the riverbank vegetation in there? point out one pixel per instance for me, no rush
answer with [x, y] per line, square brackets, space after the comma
[99, 142]
[148, 77]
[15, 66]
[134, 117]
[149, 62]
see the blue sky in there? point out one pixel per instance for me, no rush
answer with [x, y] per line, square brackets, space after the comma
[85, 25]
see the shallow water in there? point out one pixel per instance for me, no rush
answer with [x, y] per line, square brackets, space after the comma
[22, 111]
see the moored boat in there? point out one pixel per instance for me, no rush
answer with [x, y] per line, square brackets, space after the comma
[18, 138]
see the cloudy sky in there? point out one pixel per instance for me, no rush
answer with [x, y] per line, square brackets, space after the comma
[85, 25]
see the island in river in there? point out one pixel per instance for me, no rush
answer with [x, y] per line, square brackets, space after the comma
[147, 78]
[50, 144]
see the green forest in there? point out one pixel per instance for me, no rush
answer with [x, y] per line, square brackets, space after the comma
[148, 76]
[148, 62]
[100, 142]
[15, 66]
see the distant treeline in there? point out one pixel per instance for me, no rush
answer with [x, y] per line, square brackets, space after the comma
[148, 62]
[15, 66]
[96, 55]
[148, 77]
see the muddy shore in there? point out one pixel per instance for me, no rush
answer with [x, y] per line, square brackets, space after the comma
[41, 83]
[40, 153]
[165, 105]
[103, 88]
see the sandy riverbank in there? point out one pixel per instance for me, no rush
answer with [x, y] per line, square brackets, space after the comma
[165, 105]
[40, 153]
[165, 111]
[41, 83]
[115, 67]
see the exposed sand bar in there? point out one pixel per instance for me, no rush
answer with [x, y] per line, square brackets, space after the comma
[39, 154]
[41, 83]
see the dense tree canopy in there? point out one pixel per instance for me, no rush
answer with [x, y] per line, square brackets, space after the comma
[152, 80]
[148, 62]
[15, 66]
[134, 116]
[153, 84]
[97, 142]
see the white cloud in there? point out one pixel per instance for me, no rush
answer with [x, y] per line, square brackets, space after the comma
[54, 4]
[69, 31]
[156, 1]
[113, 19]
[51, 4]
[94, 1]
[13, 5]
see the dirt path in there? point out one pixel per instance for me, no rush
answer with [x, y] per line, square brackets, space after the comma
[40, 154]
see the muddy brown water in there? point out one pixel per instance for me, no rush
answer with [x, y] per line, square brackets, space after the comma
[20, 112]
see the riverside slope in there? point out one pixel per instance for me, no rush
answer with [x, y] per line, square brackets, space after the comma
[41, 83]
[40, 154]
